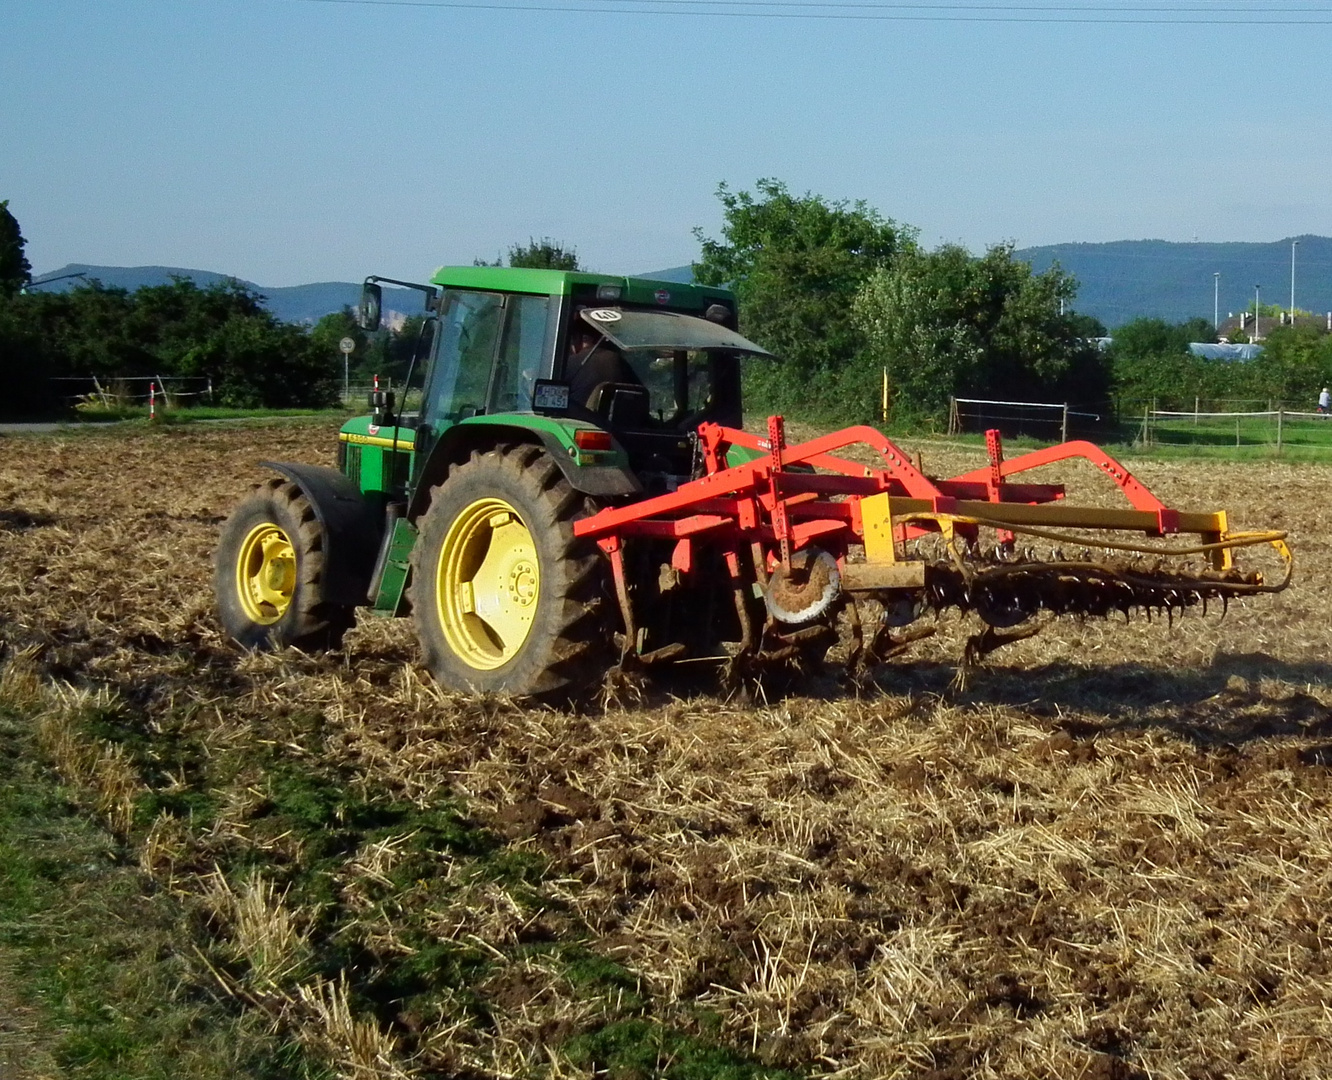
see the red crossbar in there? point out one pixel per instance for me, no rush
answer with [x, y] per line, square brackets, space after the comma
[799, 506]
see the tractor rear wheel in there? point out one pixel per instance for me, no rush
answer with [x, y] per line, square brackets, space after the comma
[505, 598]
[269, 574]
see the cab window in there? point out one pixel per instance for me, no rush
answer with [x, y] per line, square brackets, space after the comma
[525, 330]
[468, 334]
[679, 382]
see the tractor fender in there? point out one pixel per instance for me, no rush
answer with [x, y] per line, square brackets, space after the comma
[352, 528]
[602, 481]
[457, 444]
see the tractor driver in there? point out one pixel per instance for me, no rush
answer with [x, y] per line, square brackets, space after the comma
[593, 361]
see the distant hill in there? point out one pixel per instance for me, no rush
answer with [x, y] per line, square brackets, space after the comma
[1118, 281]
[290, 303]
[1126, 279]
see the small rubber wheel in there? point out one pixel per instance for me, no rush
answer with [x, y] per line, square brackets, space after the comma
[269, 574]
[505, 598]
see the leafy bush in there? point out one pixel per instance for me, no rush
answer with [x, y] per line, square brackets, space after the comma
[947, 324]
[222, 333]
[1151, 362]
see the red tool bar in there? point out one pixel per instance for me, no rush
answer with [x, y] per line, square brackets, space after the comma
[1139, 496]
[818, 452]
[799, 507]
[754, 478]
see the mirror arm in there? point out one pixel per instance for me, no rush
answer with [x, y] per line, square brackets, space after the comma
[430, 290]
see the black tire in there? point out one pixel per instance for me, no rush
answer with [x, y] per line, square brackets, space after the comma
[553, 642]
[258, 618]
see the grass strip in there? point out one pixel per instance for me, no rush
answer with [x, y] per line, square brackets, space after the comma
[97, 979]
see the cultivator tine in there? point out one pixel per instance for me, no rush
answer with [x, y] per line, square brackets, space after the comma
[981, 645]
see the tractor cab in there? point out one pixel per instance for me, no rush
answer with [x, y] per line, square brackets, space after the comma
[611, 375]
[657, 376]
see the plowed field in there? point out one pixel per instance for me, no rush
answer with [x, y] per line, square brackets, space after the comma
[1110, 855]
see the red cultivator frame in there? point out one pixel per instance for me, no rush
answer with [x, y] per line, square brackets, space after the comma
[810, 534]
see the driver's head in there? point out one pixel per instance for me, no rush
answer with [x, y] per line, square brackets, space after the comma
[581, 338]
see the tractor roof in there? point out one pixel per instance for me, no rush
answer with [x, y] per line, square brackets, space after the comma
[633, 290]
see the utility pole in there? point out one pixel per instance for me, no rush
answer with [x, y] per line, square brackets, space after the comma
[1254, 336]
[1216, 300]
[1293, 245]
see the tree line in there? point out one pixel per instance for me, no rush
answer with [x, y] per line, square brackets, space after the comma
[58, 345]
[844, 295]
[1152, 363]
[839, 292]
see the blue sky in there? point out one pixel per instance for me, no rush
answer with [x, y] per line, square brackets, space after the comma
[288, 141]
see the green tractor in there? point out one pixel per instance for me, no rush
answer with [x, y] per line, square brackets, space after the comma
[539, 397]
[575, 488]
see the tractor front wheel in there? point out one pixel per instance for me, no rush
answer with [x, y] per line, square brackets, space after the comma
[504, 597]
[269, 574]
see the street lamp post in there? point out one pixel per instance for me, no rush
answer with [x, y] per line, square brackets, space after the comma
[1293, 245]
[49, 280]
[1256, 308]
[1216, 300]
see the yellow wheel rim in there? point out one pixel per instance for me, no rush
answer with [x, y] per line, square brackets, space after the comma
[487, 584]
[266, 573]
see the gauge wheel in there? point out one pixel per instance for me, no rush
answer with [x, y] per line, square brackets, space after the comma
[269, 574]
[505, 598]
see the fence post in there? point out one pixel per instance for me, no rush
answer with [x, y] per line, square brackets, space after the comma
[1195, 410]
[1281, 415]
[952, 416]
[1145, 439]
[1237, 424]
[1063, 427]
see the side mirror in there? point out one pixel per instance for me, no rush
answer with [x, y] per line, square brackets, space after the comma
[372, 303]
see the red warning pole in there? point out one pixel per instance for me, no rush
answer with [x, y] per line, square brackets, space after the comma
[152, 401]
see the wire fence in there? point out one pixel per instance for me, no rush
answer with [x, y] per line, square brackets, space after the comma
[1039, 419]
[90, 393]
[356, 396]
[1275, 429]
[129, 391]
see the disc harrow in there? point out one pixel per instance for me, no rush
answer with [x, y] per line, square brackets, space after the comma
[798, 534]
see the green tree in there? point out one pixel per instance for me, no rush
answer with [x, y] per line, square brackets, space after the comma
[544, 254]
[1296, 362]
[1151, 361]
[15, 270]
[256, 361]
[946, 323]
[25, 366]
[796, 263]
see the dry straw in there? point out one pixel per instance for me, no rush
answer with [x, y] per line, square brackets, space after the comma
[1109, 857]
